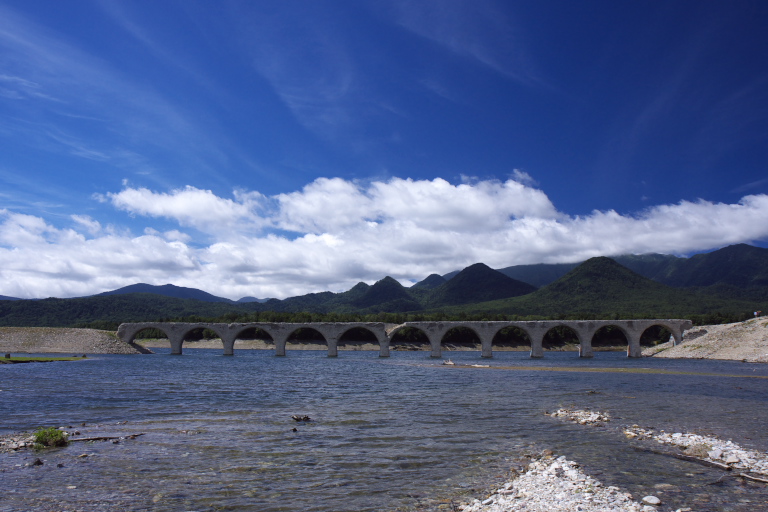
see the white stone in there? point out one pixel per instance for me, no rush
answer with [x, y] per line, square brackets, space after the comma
[651, 500]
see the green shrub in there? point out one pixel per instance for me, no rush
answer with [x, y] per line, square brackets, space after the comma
[50, 436]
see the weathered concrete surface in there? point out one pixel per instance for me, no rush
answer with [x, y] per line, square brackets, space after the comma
[435, 332]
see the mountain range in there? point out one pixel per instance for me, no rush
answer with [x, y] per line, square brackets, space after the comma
[726, 281]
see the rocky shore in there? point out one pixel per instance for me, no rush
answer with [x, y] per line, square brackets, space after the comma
[741, 341]
[41, 340]
[556, 484]
[724, 454]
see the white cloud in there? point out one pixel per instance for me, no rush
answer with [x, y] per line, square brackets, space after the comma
[92, 226]
[193, 207]
[333, 233]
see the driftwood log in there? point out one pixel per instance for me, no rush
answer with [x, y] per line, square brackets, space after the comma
[754, 478]
[105, 438]
[703, 462]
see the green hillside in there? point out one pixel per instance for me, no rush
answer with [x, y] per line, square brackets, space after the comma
[602, 287]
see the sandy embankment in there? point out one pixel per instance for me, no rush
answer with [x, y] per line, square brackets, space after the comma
[40, 340]
[740, 341]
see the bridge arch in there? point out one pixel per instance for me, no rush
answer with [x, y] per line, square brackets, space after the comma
[250, 332]
[406, 337]
[460, 335]
[307, 334]
[559, 335]
[132, 333]
[511, 337]
[610, 335]
[356, 335]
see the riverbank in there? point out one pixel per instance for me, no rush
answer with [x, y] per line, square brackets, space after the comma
[42, 340]
[741, 341]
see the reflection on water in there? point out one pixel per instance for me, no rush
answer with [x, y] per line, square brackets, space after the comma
[386, 434]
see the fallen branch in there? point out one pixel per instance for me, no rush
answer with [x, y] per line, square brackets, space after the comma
[750, 477]
[689, 458]
[105, 438]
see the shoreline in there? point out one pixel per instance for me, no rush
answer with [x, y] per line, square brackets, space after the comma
[739, 341]
[63, 340]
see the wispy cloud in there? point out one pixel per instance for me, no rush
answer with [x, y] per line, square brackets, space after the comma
[479, 31]
[71, 96]
[334, 233]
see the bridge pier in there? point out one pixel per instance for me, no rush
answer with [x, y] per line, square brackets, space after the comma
[585, 334]
[228, 340]
[176, 339]
[536, 334]
[486, 348]
[333, 346]
[436, 348]
[384, 346]
[280, 345]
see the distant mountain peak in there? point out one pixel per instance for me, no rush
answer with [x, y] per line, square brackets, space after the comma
[479, 283]
[167, 290]
[430, 282]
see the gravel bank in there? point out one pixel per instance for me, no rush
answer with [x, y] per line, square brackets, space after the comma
[707, 448]
[741, 341]
[558, 485]
[41, 340]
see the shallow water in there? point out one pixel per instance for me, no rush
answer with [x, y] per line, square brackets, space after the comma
[400, 433]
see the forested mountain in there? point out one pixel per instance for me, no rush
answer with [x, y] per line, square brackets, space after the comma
[430, 282]
[476, 283]
[4, 297]
[730, 282]
[107, 311]
[602, 287]
[741, 265]
[167, 290]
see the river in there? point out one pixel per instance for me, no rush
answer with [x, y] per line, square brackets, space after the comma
[401, 433]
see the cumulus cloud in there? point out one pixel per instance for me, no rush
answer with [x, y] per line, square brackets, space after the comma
[192, 207]
[334, 233]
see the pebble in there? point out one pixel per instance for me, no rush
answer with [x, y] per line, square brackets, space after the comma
[651, 500]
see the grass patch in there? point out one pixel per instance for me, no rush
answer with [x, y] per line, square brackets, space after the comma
[50, 437]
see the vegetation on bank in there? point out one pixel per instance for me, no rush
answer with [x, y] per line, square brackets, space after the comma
[50, 437]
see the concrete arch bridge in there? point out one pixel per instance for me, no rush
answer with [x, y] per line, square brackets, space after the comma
[434, 331]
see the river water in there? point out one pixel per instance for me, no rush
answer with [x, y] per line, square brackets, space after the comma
[401, 433]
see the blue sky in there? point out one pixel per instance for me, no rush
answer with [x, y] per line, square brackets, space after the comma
[274, 148]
